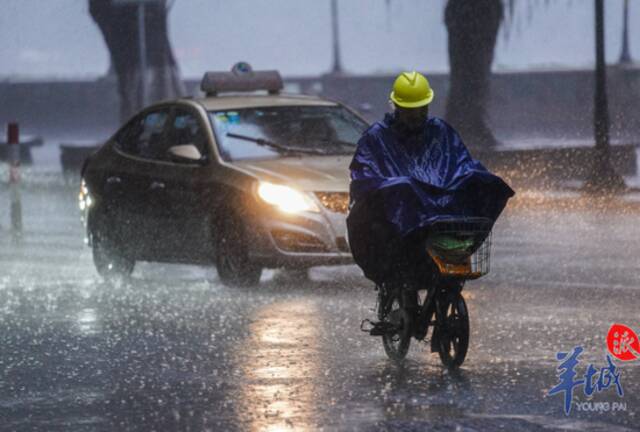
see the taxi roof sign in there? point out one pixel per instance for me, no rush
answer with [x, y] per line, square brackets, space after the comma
[242, 78]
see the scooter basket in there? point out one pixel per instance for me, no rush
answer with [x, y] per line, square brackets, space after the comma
[461, 248]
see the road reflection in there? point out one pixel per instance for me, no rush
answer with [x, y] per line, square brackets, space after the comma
[280, 368]
[87, 322]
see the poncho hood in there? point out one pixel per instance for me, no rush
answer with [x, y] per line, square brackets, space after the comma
[422, 178]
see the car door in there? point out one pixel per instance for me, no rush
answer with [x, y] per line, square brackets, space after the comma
[129, 179]
[180, 198]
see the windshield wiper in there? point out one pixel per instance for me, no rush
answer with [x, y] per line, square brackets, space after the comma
[267, 143]
[343, 144]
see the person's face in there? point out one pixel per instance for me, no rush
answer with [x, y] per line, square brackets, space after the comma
[412, 119]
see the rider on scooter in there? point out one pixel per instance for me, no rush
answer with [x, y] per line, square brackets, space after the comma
[408, 171]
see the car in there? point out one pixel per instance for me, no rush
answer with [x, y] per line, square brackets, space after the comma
[245, 178]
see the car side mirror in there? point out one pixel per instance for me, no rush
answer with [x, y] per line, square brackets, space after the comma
[187, 153]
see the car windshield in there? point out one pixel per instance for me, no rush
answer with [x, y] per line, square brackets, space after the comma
[271, 132]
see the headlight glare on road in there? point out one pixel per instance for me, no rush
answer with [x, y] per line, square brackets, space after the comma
[285, 198]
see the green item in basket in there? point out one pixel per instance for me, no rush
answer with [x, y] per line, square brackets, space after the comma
[450, 243]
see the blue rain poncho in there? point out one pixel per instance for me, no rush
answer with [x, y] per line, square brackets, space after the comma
[409, 182]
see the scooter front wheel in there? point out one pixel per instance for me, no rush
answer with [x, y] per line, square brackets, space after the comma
[453, 331]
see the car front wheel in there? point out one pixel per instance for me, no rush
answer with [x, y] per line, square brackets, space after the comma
[232, 255]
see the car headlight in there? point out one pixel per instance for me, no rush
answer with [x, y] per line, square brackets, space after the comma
[84, 197]
[286, 198]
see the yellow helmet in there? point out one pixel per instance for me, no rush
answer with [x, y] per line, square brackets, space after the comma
[411, 90]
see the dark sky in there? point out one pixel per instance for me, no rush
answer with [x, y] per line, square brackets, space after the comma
[57, 38]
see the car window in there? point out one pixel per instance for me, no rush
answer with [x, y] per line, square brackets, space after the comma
[247, 133]
[144, 134]
[127, 139]
[347, 129]
[185, 129]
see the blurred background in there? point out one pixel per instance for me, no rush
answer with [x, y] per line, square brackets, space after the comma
[538, 95]
[59, 40]
[533, 86]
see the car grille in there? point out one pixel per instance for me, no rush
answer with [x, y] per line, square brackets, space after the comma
[297, 242]
[337, 202]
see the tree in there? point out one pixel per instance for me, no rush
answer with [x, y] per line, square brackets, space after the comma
[473, 29]
[603, 178]
[118, 22]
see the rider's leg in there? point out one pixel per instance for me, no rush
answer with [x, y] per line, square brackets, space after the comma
[417, 273]
[399, 264]
[410, 300]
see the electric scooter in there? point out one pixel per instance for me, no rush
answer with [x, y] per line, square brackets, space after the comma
[457, 250]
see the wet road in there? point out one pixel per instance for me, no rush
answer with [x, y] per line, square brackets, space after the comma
[176, 350]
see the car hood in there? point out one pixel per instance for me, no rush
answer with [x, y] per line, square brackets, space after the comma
[309, 173]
